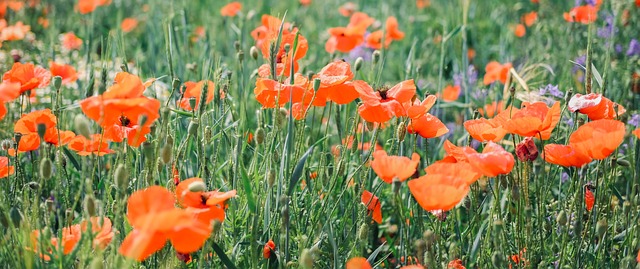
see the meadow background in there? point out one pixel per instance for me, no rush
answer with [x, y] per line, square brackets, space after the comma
[288, 192]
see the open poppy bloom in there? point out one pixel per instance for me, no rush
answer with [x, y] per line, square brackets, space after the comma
[94, 145]
[100, 228]
[283, 57]
[451, 93]
[529, 18]
[485, 130]
[391, 33]
[598, 139]
[423, 123]
[496, 71]
[454, 151]
[438, 191]
[88, 6]
[566, 156]
[493, 160]
[536, 120]
[455, 264]
[65, 71]
[461, 170]
[71, 42]
[231, 9]
[29, 76]
[583, 14]
[335, 84]
[128, 24]
[595, 106]
[194, 90]
[344, 39]
[382, 105]
[14, 32]
[491, 109]
[389, 168]
[5, 169]
[9, 91]
[201, 199]
[519, 30]
[269, 31]
[373, 206]
[28, 127]
[271, 93]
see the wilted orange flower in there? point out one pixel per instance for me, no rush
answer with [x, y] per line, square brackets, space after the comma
[451, 93]
[335, 84]
[194, 90]
[493, 160]
[535, 120]
[438, 191]
[530, 18]
[65, 71]
[566, 156]
[519, 30]
[96, 144]
[128, 24]
[268, 248]
[595, 106]
[373, 206]
[14, 32]
[269, 91]
[88, 6]
[496, 72]
[583, 14]
[344, 39]
[29, 76]
[598, 139]
[589, 198]
[71, 42]
[28, 127]
[389, 168]
[231, 9]
[391, 33]
[5, 169]
[382, 105]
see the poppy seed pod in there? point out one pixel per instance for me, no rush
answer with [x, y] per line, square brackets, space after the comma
[45, 168]
[121, 177]
[6, 144]
[90, 207]
[253, 51]
[193, 127]
[175, 83]
[358, 64]
[192, 103]
[56, 82]
[81, 124]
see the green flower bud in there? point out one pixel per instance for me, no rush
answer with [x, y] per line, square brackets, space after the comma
[561, 219]
[56, 82]
[121, 177]
[45, 168]
[260, 135]
[358, 64]
[375, 56]
[254, 52]
[90, 207]
[82, 125]
[193, 127]
[197, 186]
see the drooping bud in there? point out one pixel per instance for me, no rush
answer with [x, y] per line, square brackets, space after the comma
[358, 64]
[527, 150]
[42, 129]
[45, 168]
[90, 207]
[254, 52]
[56, 82]
[193, 127]
[601, 227]
[375, 56]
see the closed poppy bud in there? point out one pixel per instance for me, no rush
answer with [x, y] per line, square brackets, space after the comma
[375, 56]
[268, 248]
[429, 238]
[260, 135]
[193, 127]
[316, 84]
[6, 144]
[197, 186]
[287, 47]
[166, 152]
[623, 163]
[240, 56]
[45, 168]
[562, 218]
[121, 177]
[626, 207]
[601, 227]
[175, 83]
[90, 206]
[271, 178]
[81, 125]
[17, 137]
[527, 150]
[358, 64]
[253, 52]
[42, 129]
[57, 82]
[148, 149]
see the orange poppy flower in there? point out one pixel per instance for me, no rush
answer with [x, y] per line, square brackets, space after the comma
[5, 169]
[28, 127]
[493, 160]
[427, 126]
[454, 151]
[583, 14]
[344, 39]
[194, 90]
[71, 42]
[637, 133]
[334, 84]
[536, 120]
[269, 91]
[566, 156]
[380, 106]
[231, 9]
[268, 248]
[423, 3]
[100, 227]
[358, 263]
[438, 192]
[485, 130]
[451, 93]
[530, 18]
[373, 206]
[283, 57]
[496, 72]
[14, 32]
[491, 109]
[389, 168]
[88, 6]
[519, 30]
[598, 139]
[201, 199]
[391, 33]
[269, 30]
[29, 76]
[456, 264]
[305, 2]
[95, 145]
[589, 199]
[595, 106]
[155, 220]
[65, 71]
[460, 170]
[128, 24]
[8, 92]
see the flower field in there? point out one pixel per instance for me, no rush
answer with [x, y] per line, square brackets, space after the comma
[320, 134]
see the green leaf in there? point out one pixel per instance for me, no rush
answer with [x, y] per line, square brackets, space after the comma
[247, 189]
[223, 257]
[72, 159]
[297, 172]
[596, 75]
[452, 33]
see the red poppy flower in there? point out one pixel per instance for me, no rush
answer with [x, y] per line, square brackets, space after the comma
[88, 6]
[8, 92]
[380, 106]
[485, 130]
[637, 133]
[128, 24]
[454, 151]
[492, 109]
[71, 42]
[519, 30]
[598, 139]
[231, 9]
[65, 71]
[427, 126]
[493, 160]
[334, 84]
[456, 264]
[268, 248]
[529, 18]
[438, 192]
[29, 76]
[283, 57]
[28, 127]
[100, 228]
[595, 106]
[451, 93]
[270, 92]
[95, 145]
[269, 31]
[5, 169]
[344, 39]
[194, 90]
[535, 120]
[389, 168]
[391, 33]
[461, 170]
[201, 199]
[496, 72]
[583, 14]
[589, 199]
[566, 156]
[358, 263]
[373, 206]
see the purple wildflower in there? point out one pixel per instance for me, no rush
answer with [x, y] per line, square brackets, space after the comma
[634, 48]
[609, 29]
[634, 120]
[553, 90]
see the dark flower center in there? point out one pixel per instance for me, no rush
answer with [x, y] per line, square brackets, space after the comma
[124, 121]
